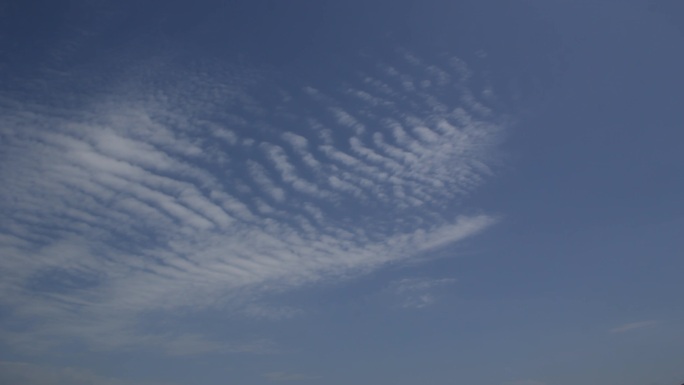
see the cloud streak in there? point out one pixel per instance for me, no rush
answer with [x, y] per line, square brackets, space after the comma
[634, 326]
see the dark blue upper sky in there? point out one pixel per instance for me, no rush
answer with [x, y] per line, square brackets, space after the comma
[320, 192]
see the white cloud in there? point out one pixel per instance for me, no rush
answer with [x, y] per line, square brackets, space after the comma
[192, 344]
[272, 312]
[417, 293]
[141, 203]
[345, 119]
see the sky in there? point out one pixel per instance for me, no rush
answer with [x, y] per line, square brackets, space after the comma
[323, 192]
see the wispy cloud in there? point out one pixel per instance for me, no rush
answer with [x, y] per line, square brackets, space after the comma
[191, 194]
[417, 293]
[290, 377]
[634, 326]
[270, 312]
[525, 382]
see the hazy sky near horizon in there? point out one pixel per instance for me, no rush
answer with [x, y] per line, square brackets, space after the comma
[325, 192]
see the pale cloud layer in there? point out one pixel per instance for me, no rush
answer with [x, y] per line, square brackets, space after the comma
[33, 374]
[525, 382]
[193, 194]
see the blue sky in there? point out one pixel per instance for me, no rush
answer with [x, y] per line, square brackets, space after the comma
[319, 192]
